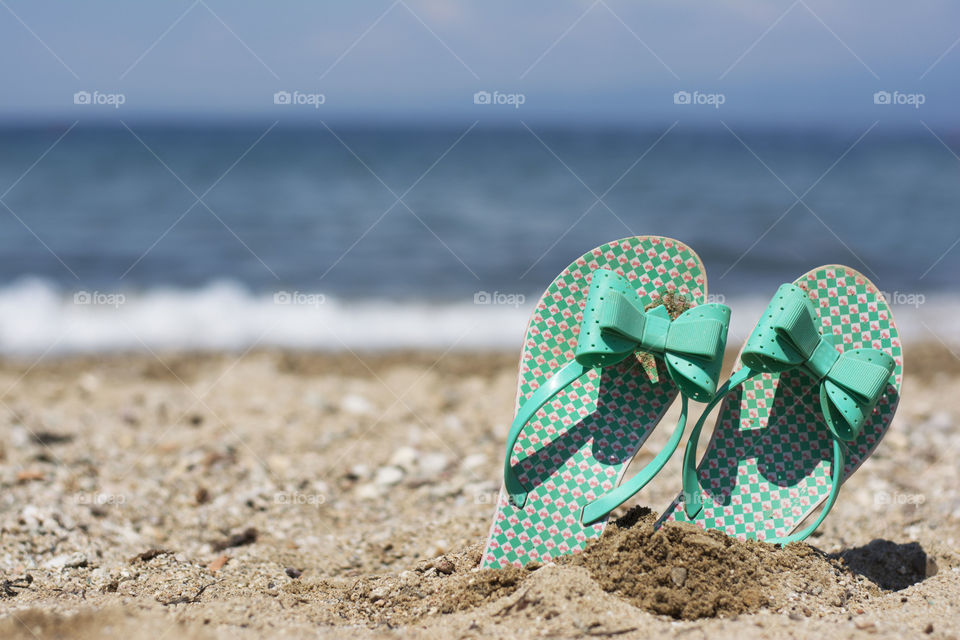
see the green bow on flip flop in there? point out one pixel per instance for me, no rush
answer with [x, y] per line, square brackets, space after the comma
[851, 382]
[614, 327]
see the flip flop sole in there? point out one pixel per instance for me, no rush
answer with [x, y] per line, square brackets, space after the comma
[579, 444]
[767, 466]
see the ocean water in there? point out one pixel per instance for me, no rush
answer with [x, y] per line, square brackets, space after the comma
[227, 236]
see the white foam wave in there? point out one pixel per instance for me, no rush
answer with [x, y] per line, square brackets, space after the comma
[36, 317]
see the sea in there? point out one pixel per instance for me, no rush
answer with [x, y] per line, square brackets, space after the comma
[224, 235]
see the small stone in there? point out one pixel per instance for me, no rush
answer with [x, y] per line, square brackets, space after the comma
[931, 569]
[89, 384]
[474, 461]
[865, 625]
[928, 629]
[432, 464]
[28, 475]
[218, 564]
[369, 491]
[67, 561]
[678, 575]
[359, 472]
[388, 476]
[405, 458]
[293, 573]
[379, 593]
[316, 401]
[357, 405]
[243, 538]
[31, 516]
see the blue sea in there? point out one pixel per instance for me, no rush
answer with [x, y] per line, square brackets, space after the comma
[216, 235]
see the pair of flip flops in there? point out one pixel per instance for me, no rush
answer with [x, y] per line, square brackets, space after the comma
[623, 331]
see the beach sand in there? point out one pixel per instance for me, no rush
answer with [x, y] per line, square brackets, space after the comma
[240, 496]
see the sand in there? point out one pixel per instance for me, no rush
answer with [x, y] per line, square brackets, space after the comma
[241, 495]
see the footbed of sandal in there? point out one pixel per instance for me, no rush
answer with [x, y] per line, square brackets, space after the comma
[577, 446]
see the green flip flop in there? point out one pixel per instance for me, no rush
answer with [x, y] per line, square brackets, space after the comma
[590, 391]
[813, 392]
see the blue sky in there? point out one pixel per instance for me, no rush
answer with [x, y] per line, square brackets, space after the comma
[799, 62]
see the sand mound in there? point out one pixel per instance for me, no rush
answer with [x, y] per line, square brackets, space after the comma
[685, 572]
[679, 571]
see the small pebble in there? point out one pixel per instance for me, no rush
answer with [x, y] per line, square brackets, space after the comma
[67, 561]
[388, 476]
[474, 461]
[359, 472]
[357, 405]
[678, 575]
[369, 491]
[432, 464]
[405, 458]
[89, 384]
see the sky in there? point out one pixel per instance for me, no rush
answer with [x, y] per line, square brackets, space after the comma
[783, 62]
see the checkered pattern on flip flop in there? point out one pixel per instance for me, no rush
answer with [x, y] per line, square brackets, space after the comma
[767, 466]
[580, 443]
